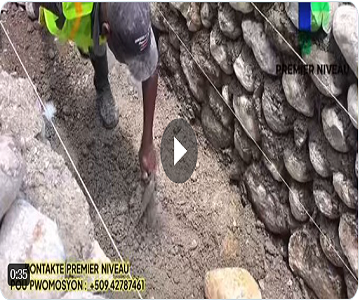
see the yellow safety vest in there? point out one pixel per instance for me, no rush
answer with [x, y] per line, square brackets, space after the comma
[77, 26]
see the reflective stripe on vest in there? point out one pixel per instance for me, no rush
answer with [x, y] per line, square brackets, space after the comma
[77, 26]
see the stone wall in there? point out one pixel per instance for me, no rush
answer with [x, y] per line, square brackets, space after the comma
[310, 140]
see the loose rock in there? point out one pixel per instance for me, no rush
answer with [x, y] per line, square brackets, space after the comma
[346, 190]
[231, 283]
[301, 201]
[325, 198]
[279, 115]
[263, 50]
[307, 260]
[348, 233]
[345, 29]
[352, 102]
[12, 170]
[229, 21]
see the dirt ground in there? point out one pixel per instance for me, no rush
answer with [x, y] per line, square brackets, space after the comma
[202, 224]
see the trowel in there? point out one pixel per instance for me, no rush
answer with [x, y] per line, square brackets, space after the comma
[148, 196]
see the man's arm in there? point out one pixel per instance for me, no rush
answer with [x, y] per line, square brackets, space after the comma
[147, 152]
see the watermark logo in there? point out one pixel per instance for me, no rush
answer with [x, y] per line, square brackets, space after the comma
[312, 16]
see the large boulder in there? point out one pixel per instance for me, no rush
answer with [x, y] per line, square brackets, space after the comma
[244, 110]
[300, 92]
[231, 283]
[353, 104]
[346, 190]
[269, 199]
[326, 199]
[229, 21]
[219, 136]
[51, 188]
[338, 129]
[263, 50]
[278, 114]
[345, 29]
[27, 235]
[247, 69]
[12, 170]
[224, 50]
[348, 233]
[301, 201]
[307, 260]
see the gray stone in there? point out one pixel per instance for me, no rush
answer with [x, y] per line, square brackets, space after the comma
[12, 170]
[196, 80]
[301, 201]
[297, 163]
[318, 149]
[244, 7]
[51, 188]
[352, 104]
[330, 242]
[345, 29]
[191, 12]
[223, 50]
[244, 110]
[351, 284]
[301, 131]
[300, 92]
[219, 136]
[269, 198]
[325, 198]
[307, 260]
[168, 55]
[333, 82]
[178, 31]
[156, 18]
[348, 233]
[208, 12]
[229, 21]
[247, 69]
[28, 235]
[244, 145]
[337, 128]
[346, 190]
[278, 17]
[263, 50]
[200, 48]
[221, 111]
[278, 114]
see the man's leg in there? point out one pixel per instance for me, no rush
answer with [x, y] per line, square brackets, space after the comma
[107, 107]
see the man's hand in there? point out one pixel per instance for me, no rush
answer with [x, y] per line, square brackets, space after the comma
[147, 158]
[147, 155]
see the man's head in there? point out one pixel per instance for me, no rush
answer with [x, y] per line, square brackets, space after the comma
[127, 27]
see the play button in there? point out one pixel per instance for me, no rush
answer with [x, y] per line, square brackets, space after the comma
[178, 151]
